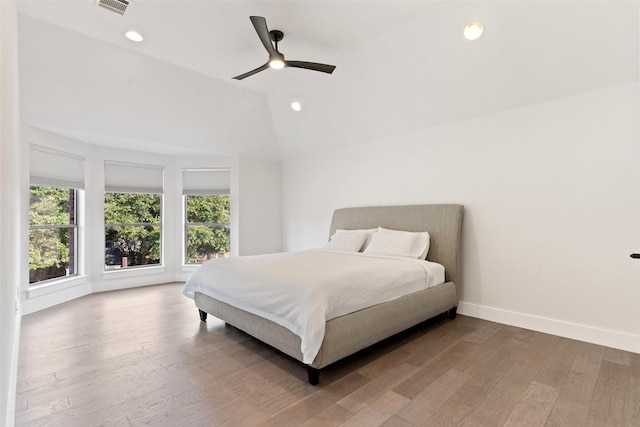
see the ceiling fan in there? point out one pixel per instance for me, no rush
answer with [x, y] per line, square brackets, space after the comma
[276, 59]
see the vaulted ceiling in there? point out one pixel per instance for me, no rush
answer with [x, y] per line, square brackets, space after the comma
[401, 66]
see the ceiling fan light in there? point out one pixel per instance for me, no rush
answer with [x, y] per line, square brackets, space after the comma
[276, 63]
[473, 31]
[276, 60]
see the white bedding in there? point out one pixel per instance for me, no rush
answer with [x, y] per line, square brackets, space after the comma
[302, 290]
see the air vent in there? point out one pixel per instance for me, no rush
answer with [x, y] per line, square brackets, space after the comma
[118, 6]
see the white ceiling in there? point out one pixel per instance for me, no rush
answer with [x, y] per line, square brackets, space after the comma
[401, 65]
[217, 38]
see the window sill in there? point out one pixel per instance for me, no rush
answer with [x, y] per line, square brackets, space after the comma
[133, 272]
[55, 286]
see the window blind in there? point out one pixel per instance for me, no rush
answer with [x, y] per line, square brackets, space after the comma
[205, 181]
[124, 177]
[53, 168]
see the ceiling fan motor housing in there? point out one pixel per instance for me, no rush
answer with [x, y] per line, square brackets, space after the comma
[276, 35]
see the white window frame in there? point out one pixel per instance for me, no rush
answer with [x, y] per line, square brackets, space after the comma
[73, 245]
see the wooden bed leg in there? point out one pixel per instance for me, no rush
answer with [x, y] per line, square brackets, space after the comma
[314, 375]
[203, 315]
[452, 313]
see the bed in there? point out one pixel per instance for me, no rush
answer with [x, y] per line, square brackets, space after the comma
[351, 332]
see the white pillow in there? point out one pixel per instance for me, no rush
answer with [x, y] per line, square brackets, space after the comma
[399, 243]
[368, 232]
[419, 242]
[347, 240]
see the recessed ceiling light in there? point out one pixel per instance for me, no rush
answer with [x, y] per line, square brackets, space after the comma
[134, 36]
[296, 106]
[473, 31]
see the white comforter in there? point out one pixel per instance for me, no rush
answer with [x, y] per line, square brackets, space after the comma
[302, 290]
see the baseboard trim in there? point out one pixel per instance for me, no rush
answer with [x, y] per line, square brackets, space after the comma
[600, 336]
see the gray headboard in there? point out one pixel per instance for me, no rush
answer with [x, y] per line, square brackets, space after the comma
[443, 222]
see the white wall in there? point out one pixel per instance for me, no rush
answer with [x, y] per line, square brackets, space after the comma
[551, 208]
[13, 256]
[259, 206]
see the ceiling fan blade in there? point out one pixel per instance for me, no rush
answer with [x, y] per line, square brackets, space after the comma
[311, 66]
[260, 24]
[252, 72]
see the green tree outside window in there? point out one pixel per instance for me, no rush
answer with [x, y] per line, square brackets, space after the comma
[207, 227]
[52, 233]
[132, 229]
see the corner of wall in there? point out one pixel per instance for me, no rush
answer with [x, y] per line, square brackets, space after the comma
[13, 257]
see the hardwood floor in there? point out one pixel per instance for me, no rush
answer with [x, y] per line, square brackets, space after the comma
[142, 357]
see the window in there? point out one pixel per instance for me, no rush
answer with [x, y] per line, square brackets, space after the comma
[57, 179]
[207, 214]
[132, 230]
[207, 228]
[132, 215]
[53, 233]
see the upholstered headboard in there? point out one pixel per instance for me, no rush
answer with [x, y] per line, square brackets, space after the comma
[443, 222]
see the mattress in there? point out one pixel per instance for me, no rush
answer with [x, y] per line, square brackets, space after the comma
[301, 291]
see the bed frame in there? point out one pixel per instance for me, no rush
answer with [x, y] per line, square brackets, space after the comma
[350, 333]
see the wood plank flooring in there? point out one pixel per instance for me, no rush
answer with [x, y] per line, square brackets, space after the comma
[142, 357]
